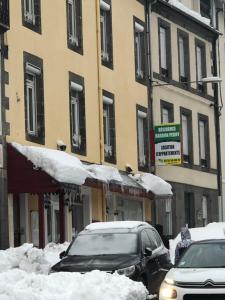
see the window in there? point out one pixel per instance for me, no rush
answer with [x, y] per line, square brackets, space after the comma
[142, 137]
[77, 114]
[168, 221]
[31, 10]
[166, 112]
[203, 141]
[183, 55]
[186, 124]
[139, 50]
[205, 8]
[34, 98]
[106, 33]
[200, 66]
[74, 25]
[109, 127]
[164, 49]
[204, 210]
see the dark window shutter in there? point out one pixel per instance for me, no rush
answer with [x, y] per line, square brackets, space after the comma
[79, 21]
[82, 122]
[37, 12]
[40, 106]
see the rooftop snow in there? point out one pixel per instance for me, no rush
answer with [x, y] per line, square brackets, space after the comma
[115, 225]
[189, 11]
[67, 168]
[64, 167]
[153, 183]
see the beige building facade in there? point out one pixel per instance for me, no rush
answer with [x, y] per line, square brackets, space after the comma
[79, 82]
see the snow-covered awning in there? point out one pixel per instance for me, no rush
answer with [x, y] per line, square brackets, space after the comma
[67, 169]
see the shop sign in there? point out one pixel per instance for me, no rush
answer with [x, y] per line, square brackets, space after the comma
[167, 144]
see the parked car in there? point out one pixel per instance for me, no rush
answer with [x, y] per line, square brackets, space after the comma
[130, 248]
[199, 273]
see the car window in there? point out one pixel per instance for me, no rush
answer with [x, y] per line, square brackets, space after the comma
[145, 241]
[152, 238]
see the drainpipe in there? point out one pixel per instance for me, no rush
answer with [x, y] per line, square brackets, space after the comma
[99, 65]
[4, 222]
[217, 113]
[149, 81]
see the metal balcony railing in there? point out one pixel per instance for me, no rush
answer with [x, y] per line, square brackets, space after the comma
[4, 15]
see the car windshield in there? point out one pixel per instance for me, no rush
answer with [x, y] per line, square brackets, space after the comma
[207, 255]
[104, 243]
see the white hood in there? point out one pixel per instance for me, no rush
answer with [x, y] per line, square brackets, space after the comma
[197, 275]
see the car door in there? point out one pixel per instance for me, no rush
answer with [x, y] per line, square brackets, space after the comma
[150, 266]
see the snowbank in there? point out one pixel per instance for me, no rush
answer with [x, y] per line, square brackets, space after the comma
[153, 183]
[210, 231]
[24, 276]
[189, 11]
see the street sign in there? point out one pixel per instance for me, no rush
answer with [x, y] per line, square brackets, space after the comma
[167, 144]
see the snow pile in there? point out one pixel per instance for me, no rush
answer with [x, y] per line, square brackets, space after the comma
[24, 275]
[31, 259]
[104, 173]
[189, 11]
[153, 183]
[210, 231]
[96, 285]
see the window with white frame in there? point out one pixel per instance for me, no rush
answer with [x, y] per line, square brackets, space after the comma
[142, 142]
[106, 31]
[76, 94]
[167, 115]
[139, 49]
[186, 136]
[163, 47]
[32, 72]
[109, 127]
[183, 48]
[29, 15]
[34, 98]
[200, 65]
[32, 14]
[203, 141]
[72, 22]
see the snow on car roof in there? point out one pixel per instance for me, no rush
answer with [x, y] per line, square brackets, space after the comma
[115, 225]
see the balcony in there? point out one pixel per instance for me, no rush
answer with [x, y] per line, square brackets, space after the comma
[4, 15]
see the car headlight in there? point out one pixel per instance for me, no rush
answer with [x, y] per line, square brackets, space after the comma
[168, 290]
[126, 271]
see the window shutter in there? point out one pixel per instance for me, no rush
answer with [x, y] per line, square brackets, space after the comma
[40, 106]
[82, 123]
[37, 12]
[79, 21]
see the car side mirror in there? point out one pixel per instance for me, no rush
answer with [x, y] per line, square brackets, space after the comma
[148, 251]
[62, 254]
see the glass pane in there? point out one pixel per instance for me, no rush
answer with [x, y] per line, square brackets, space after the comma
[181, 54]
[141, 147]
[163, 49]
[199, 63]
[185, 134]
[202, 139]
[165, 115]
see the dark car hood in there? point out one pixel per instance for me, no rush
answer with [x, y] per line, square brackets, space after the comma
[98, 262]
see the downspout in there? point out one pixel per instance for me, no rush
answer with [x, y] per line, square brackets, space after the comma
[149, 83]
[100, 103]
[217, 113]
[99, 65]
